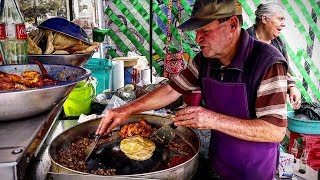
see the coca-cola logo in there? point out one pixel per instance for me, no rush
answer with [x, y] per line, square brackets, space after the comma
[2, 31]
[21, 31]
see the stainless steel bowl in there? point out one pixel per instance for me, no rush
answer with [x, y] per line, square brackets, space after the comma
[65, 59]
[22, 104]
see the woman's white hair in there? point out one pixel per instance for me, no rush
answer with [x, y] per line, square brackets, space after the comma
[268, 9]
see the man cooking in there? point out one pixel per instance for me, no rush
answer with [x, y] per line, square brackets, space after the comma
[244, 86]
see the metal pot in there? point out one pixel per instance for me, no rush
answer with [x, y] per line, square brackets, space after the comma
[26, 103]
[183, 171]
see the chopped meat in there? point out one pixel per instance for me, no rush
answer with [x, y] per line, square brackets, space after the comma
[141, 128]
[180, 152]
[73, 157]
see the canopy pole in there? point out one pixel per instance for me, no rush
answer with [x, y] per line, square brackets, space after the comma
[150, 40]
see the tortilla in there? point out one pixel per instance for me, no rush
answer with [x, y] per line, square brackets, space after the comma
[90, 49]
[49, 47]
[32, 47]
[78, 47]
[60, 52]
[137, 148]
[62, 42]
[37, 35]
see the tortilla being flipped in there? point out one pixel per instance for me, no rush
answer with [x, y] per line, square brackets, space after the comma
[137, 148]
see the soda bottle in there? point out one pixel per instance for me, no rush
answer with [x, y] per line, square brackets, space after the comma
[294, 149]
[3, 33]
[303, 162]
[14, 46]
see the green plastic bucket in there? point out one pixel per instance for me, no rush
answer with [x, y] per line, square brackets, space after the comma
[79, 100]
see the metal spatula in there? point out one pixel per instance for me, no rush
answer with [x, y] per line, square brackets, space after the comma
[165, 134]
[91, 147]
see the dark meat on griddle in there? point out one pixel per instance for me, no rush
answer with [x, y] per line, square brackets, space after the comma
[74, 156]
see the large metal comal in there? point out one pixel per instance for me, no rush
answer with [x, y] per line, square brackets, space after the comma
[182, 171]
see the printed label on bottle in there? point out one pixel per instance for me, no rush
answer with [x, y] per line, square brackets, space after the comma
[10, 30]
[2, 31]
[21, 32]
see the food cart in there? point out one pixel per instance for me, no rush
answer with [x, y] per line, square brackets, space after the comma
[26, 141]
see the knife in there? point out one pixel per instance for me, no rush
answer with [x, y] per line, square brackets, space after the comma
[165, 134]
[92, 146]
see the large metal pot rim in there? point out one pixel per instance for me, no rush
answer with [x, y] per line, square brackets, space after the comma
[55, 55]
[39, 89]
[133, 175]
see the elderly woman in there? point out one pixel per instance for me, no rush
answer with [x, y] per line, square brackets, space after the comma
[270, 21]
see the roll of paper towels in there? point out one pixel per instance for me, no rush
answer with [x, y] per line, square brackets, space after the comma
[117, 75]
[146, 76]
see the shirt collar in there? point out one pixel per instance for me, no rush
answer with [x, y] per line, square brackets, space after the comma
[243, 51]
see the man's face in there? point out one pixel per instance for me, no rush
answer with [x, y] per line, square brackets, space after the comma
[274, 24]
[213, 39]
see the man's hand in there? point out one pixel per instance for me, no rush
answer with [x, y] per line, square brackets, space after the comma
[256, 130]
[111, 119]
[195, 117]
[295, 97]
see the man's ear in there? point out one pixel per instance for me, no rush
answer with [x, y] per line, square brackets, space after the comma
[234, 22]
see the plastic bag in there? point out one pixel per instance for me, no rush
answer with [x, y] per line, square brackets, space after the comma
[308, 111]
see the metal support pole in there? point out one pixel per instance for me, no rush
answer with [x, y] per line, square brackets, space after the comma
[150, 40]
[70, 11]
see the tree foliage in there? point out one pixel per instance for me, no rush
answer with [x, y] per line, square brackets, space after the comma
[34, 9]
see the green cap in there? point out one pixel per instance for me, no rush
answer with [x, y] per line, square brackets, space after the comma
[206, 11]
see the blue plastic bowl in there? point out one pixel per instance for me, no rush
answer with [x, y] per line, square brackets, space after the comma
[66, 27]
[302, 126]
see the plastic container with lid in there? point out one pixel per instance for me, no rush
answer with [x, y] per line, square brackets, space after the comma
[101, 70]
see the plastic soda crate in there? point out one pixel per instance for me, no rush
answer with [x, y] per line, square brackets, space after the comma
[101, 70]
[311, 142]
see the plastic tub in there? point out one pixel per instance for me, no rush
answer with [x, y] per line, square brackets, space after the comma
[101, 70]
[302, 126]
[79, 100]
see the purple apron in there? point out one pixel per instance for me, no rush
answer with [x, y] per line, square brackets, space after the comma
[233, 158]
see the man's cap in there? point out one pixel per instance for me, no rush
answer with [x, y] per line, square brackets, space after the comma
[206, 11]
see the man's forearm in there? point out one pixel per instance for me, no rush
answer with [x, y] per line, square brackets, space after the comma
[156, 99]
[251, 130]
